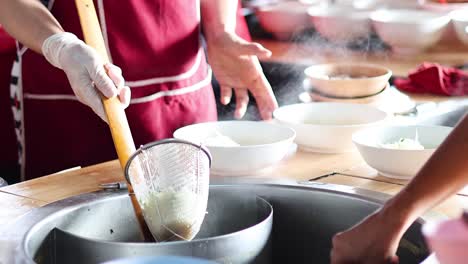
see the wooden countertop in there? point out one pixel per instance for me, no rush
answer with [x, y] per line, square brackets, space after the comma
[345, 169]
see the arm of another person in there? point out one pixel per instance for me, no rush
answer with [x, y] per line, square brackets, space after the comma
[234, 60]
[28, 21]
[376, 238]
[31, 23]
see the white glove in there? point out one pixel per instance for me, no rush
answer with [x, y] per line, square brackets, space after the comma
[85, 71]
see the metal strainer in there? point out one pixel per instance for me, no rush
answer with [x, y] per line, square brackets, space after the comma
[170, 179]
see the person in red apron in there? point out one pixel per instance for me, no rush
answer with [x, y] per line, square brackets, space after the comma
[156, 44]
[8, 150]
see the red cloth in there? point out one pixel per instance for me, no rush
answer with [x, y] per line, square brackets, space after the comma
[435, 79]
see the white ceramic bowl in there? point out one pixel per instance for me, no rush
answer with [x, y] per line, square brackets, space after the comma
[261, 144]
[283, 19]
[398, 163]
[327, 127]
[340, 24]
[448, 239]
[460, 23]
[364, 79]
[409, 31]
[437, 6]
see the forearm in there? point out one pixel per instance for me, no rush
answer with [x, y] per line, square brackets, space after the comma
[442, 176]
[218, 16]
[28, 21]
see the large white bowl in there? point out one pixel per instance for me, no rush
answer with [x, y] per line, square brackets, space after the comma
[327, 127]
[398, 163]
[283, 19]
[340, 24]
[409, 31]
[262, 144]
[460, 23]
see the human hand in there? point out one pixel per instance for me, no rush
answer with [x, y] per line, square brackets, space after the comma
[85, 71]
[372, 241]
[235, 64]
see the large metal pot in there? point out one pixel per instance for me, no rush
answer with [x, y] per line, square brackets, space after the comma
[90, 228]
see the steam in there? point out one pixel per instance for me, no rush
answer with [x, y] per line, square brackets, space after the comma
[305, 47]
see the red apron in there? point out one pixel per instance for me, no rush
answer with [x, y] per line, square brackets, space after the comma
[8, 150]
[157, 45]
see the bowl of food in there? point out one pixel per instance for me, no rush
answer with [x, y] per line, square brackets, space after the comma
[460, 24]
[240, 147]
[327, 127]
[399, 151]
[283, 19]
[347, 80]
[340, 24]
[409, 31]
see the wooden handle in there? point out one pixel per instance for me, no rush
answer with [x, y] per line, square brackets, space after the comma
[118, 124]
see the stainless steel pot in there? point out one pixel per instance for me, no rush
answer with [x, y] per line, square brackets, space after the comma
[91, 228]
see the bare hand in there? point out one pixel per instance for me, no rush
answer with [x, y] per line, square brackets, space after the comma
[235, 64]
[371, 242]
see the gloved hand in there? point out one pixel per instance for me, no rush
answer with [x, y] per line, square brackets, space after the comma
[85, 71]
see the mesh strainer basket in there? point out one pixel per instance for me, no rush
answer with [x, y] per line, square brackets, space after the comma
[170, 179]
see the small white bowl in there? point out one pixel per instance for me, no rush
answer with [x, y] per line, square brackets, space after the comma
[340, 24]
[409, 31]
[460, 23]
[327, 127]
[283, 19]
[398, 163]
[261, 144]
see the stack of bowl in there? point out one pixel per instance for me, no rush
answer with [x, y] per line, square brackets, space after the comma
[354, 83]
[346, 81]
[340, 24]
[284, 19]
[409, 31]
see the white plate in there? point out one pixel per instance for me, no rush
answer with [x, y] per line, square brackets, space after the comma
[391, 100]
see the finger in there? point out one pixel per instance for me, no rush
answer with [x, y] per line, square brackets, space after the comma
[253, 49]
[465, 216]
[264, 96]
[242, 100]
[393, 260]
[115, 73]
[95, 103]
[102, 82]
[124, 96]
[225, 94]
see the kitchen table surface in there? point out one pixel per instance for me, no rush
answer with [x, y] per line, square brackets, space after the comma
[346, 169]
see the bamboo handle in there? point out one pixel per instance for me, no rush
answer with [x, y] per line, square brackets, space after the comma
[116, 117]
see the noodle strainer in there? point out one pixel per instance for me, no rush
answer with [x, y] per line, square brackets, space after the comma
[170, 179]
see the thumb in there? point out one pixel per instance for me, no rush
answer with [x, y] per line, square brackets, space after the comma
[393, 260]
[252, 49]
